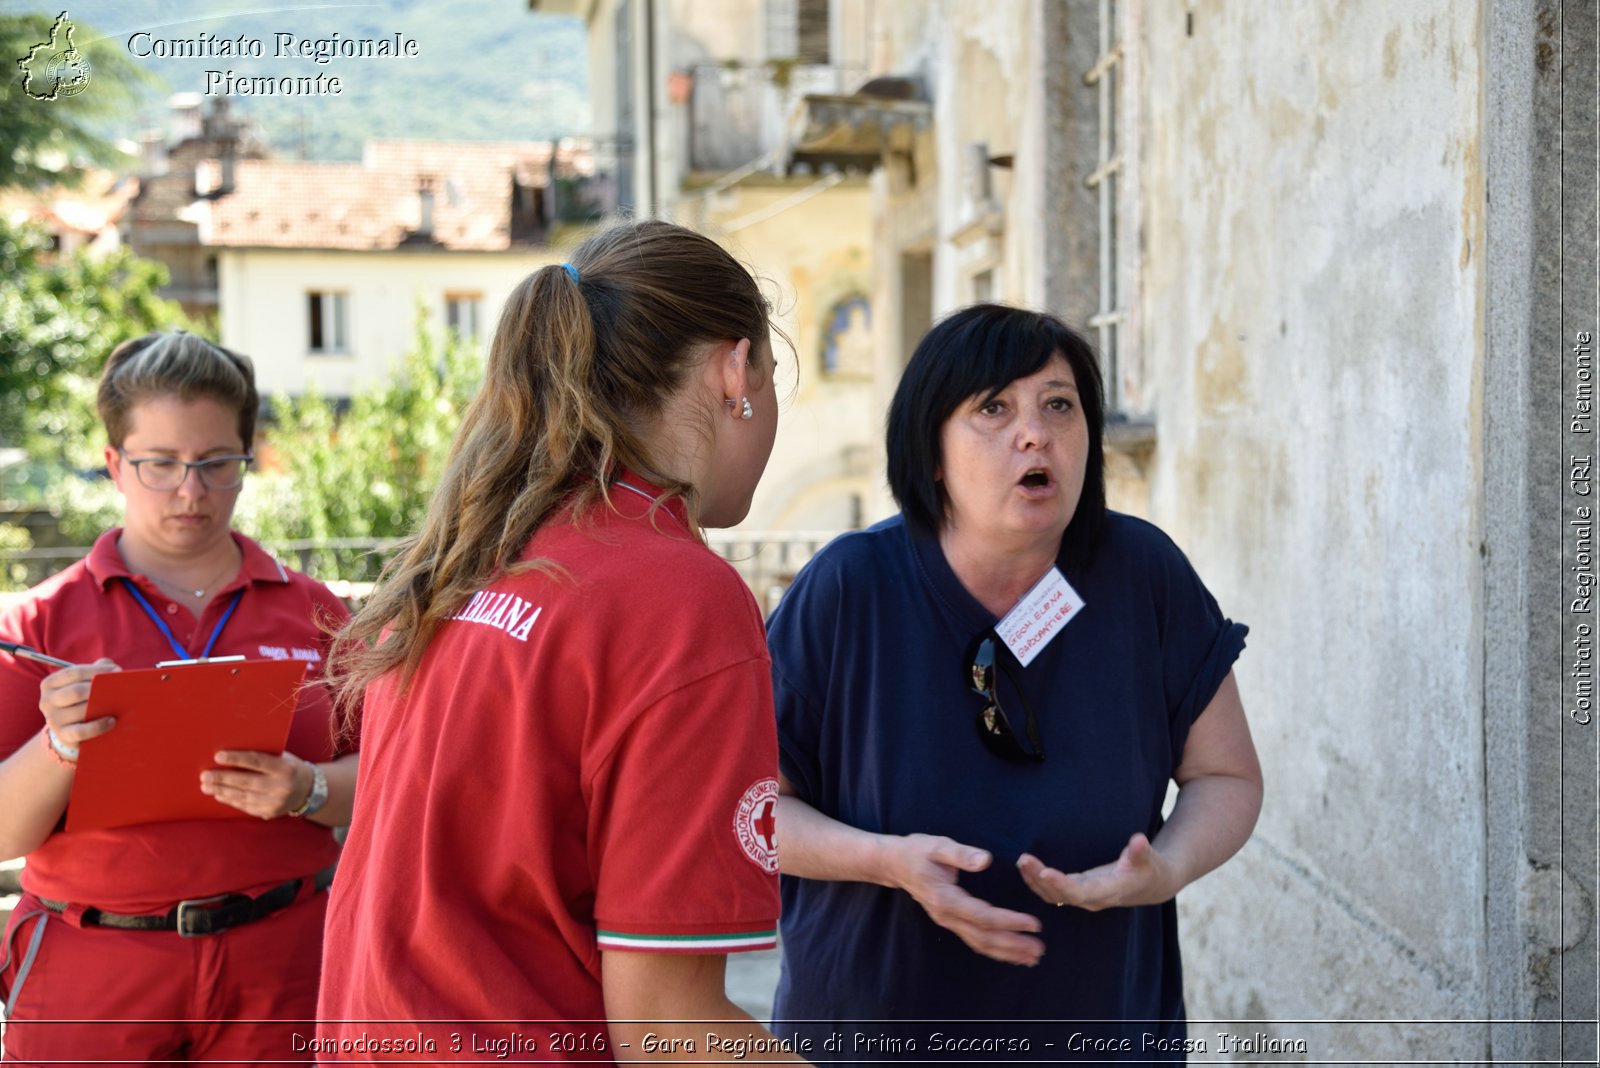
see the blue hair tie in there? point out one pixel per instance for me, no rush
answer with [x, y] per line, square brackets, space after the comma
[572, 272]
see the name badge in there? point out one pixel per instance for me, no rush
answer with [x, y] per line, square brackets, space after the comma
[1039, 616]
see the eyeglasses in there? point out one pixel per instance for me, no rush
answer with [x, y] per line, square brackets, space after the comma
[994, 728]
[166, 473]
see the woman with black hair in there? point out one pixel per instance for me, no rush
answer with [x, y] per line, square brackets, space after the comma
[981, 703]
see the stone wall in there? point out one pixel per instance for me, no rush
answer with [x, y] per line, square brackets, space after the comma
[1354, 444]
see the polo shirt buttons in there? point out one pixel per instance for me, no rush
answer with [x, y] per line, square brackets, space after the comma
[172, 609]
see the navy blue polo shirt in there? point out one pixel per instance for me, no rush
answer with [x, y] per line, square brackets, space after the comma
[876, 729]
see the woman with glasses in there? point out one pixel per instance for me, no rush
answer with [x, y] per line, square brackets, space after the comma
[202, 931]
[981, 703]
[567, 705]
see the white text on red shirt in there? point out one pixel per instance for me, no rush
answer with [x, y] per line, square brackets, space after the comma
[506, 611]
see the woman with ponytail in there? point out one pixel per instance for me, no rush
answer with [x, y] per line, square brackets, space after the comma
[565, 813]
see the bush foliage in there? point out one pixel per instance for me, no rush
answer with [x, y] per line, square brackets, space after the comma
[59, 318]
[365, 474]
[322, 475]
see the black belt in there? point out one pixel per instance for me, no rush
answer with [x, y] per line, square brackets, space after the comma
[205, 915]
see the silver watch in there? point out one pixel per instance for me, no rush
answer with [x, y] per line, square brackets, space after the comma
[318, 795]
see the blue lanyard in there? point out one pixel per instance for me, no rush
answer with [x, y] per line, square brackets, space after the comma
[183, 654]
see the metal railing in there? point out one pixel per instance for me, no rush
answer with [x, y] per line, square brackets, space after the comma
[331, 559]
[766, 560]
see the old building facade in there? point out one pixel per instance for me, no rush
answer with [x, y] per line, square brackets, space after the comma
[1336, 377]
[691, 106]
[320, 271]
[1333, 373]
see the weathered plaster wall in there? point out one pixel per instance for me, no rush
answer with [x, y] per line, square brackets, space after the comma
[1312, 194]
[903, 34]
[601, 36]
[982, 96]
[813, 255]
[715, 30]
[1542, 282]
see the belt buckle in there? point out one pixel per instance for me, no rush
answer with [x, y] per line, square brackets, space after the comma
[184, 911]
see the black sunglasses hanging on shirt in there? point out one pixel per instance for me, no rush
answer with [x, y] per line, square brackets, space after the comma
[994, 727]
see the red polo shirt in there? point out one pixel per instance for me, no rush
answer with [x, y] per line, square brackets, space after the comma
[584, 761]
[86, 612]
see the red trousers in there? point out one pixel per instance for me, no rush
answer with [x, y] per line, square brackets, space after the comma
[245, 996]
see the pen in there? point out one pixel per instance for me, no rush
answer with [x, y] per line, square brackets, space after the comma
[19, 650]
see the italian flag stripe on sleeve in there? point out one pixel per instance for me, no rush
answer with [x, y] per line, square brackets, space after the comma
[689, 943]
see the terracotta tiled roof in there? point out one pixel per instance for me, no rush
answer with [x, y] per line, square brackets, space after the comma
[99, 201]
[376, 204]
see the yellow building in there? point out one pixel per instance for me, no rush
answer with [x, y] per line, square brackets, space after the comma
[718, 82]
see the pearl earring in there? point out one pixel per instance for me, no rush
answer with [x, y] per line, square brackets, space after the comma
[747, 412]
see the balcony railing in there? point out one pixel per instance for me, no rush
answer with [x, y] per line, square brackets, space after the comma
[738, 113]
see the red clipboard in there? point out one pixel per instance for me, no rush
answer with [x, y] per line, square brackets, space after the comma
[170, 723]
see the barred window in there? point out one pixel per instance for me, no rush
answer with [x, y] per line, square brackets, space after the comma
[1111, 309]
[799, 30]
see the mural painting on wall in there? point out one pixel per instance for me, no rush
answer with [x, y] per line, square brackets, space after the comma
[847, 341]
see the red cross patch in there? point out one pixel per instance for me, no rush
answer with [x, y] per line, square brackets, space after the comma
[755, 824]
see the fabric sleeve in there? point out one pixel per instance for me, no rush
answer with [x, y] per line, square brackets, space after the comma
[798, 633]
[305, 610]
[1198, 643]
[20, 718]
[798, 727]
[682, 832]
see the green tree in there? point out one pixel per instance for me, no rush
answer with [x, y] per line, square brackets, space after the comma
[50, 141]
[13, 539]
[63, 87]
[363, 475]
[368, 473]
[59, 319]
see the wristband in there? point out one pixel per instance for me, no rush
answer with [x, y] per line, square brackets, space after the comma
[318, 795]
[60, 752]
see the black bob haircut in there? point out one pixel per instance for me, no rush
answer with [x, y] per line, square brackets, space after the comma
[978, 351]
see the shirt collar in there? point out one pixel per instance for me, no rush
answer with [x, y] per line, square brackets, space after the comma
[104, 563]
[936, 569]
[632, 494]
